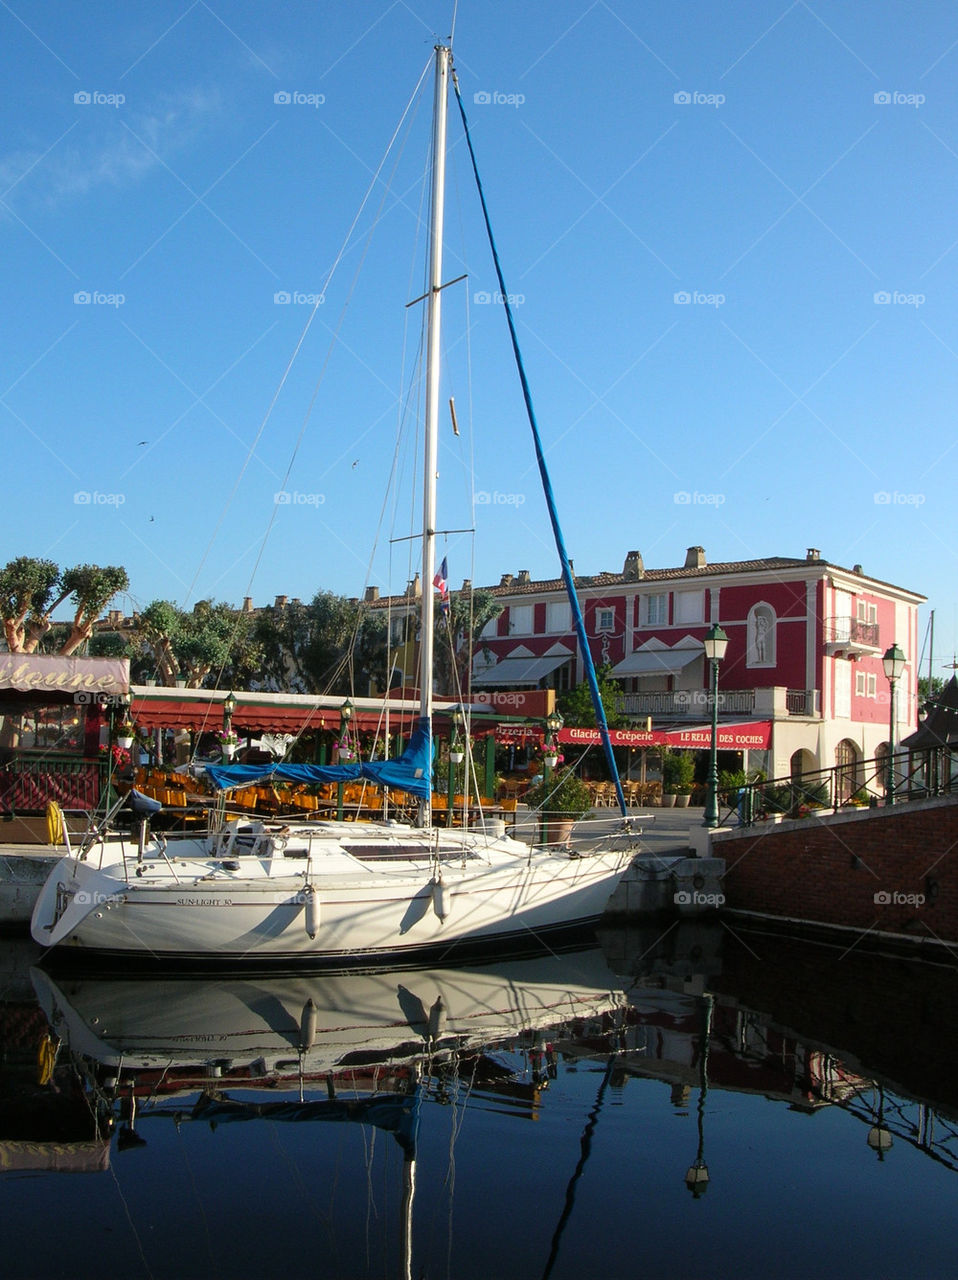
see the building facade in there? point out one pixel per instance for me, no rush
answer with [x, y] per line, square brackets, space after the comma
[806, 640]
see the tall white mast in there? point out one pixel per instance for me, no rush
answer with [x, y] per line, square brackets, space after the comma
[431, 451]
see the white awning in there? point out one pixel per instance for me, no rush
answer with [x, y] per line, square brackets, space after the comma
[518, 671]
[657, 662]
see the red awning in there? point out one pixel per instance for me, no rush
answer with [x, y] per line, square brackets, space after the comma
[207, 717]
[748, 734]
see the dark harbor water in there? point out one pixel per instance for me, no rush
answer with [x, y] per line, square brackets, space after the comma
[672, 1102]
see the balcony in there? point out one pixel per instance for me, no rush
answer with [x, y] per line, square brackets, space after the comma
[696, 704]
[850, 637]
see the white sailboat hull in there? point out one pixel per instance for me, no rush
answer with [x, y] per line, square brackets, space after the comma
[394, 906]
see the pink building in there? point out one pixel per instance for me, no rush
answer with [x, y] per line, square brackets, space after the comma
[806, 639]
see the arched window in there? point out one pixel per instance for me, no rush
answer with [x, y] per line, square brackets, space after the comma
[760, 633]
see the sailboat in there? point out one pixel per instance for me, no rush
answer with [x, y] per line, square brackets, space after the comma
[343, 894]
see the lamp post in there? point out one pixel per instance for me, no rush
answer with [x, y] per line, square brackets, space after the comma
[455, 760]
[229, 708]
[894, 664]
[716, 642]
[550, 757]
[345, 715]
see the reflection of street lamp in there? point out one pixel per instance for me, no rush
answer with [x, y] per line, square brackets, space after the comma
[879, 1138]
[550, 759]
[716, 642]
[894, 664]
[697, 1177]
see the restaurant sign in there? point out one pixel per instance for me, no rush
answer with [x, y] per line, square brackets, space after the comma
[755, 735]
[89, 680]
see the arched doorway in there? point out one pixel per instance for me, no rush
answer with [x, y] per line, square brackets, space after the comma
[801, 762]
[848, 778]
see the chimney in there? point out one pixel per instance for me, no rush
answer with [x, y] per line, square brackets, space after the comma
[695, 558]
[247, 604]
[856, 568]
[280, 602]
[115, 617]
[523, 576]
[372, 593]
[505, 580]
[296, 600]
[812, 554]
[414, 588]
[634, 568]
[467, 584]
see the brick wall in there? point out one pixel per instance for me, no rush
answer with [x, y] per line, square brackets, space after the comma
[889, 870]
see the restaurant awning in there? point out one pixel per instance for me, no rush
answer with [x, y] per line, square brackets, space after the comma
[509, 671]
[657, 662]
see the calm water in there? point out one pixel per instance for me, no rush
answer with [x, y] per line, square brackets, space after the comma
[531, 1119]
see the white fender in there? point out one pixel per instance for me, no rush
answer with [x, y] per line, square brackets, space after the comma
[311, 899]
[440, 898]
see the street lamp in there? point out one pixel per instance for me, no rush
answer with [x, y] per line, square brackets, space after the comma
[894, 664]
[550, 758]
[716, 642]
[229, 710]
[456, 755]
[345, 715]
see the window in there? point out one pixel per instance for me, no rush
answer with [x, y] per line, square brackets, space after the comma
[520, 619]
[605, 620]
[689, 606]
[867, 612]
[866, 684]
[490, 629]
[760, 636]
[559, 618]
[657, 609]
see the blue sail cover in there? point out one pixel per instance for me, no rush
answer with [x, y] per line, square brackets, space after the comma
[412, 772]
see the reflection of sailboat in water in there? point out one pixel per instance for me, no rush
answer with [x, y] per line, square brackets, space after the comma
[362, 1049]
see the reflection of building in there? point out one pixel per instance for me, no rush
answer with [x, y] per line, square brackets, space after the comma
[806, 639]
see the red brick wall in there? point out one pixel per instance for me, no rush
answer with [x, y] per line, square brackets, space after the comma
[884, 871]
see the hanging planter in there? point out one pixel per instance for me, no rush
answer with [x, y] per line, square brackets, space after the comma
[124, 736]
[456, 757]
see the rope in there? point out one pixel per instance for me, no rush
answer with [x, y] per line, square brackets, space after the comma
[544, 474]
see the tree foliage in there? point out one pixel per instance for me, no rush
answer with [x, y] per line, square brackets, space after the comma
[334, 644]
[576, 705]
[210, 639]
[457, 637]
[31, 590]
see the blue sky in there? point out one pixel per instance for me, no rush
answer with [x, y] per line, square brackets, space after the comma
[729, 230]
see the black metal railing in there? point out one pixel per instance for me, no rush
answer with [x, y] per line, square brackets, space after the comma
[914, 775]
[28, 782]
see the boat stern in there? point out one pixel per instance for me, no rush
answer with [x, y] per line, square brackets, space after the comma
[72, 890]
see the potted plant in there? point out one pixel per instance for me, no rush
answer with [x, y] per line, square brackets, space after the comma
[678, 773]
[561, 799]
[125, 733]
[228, 744]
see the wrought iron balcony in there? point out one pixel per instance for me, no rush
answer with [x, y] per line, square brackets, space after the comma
[851, 636]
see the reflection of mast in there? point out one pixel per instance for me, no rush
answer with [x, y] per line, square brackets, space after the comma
[586, 1145]
[879, 1137]
[697, 1178]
